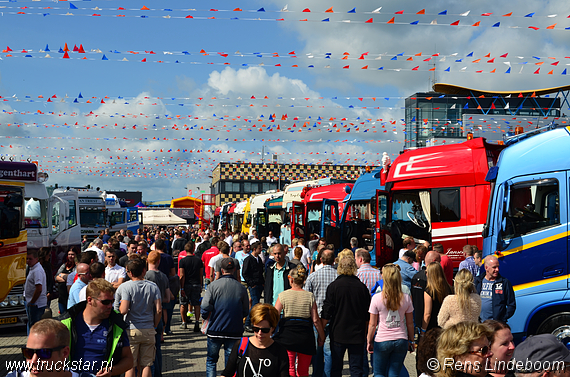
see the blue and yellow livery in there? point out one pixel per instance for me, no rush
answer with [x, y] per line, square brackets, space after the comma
[527, 228]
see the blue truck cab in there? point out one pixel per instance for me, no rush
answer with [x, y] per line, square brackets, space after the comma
[527, 229]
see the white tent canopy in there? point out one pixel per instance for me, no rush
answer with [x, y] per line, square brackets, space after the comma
[160, 217]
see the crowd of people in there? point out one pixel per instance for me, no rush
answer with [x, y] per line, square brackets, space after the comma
[304, 305]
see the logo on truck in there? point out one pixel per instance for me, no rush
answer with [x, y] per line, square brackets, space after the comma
[407, 169]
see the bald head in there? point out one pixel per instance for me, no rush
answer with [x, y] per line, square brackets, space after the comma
[83, 272]
[432, 256]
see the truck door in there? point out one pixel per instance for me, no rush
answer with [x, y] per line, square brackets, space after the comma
[383, 251]
[298, 220]
[532, 239]
[261, 222]
[330, 223]
[58, 213]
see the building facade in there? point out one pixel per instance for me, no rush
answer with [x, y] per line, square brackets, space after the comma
[437, 117]
[234, 182]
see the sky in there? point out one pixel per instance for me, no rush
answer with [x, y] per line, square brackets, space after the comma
[165, 90]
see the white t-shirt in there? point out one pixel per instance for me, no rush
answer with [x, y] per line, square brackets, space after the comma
[36, 276]
[305, 257]
[214, 259]
[401, 253]
[229, 240]
[270, 241]
[83, 294]
[113, 274]
[100, 253]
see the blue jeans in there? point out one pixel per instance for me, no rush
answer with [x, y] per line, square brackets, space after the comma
[169, 312]
[214, 345]
[355, 359]
[34, 315]
[389, 357]
[322, 360]
[255, 293]
[62, 308]
[156, 368]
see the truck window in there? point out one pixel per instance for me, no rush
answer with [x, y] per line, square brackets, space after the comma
[55, 218]
[446, 205]
[35, 212]
[117, 217]
[532, 206]
[72, 219]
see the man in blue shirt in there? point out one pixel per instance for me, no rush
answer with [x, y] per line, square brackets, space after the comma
[469, 262]
[406, 269]
[82, 280]
[497, 294]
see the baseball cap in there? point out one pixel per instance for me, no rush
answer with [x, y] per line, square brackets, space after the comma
[227, 264]
[538, 350]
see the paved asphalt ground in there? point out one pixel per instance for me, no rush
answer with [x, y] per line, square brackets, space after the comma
[184, 353]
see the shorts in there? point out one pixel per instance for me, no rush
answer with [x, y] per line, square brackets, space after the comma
[193, 293]
[143, 346]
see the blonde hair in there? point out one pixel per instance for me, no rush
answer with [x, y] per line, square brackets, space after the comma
[437, 286]
[299, 275]
[96, 286]
[50, 326]
[346, 253]
[463, 288]
[347, 266]
[264, 312]
[455, 341]
[392, 290]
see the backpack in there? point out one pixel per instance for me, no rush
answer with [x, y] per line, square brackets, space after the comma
[243, 343]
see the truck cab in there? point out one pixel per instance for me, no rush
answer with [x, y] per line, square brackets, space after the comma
[439, 194]
[527, 229]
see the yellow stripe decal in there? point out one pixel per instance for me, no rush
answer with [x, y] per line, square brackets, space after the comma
[540, 282]
[534, 244]
[12, 183]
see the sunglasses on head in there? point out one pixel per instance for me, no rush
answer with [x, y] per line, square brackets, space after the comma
[264, 330]
[43, 353]
[481, 352]
[104, 302]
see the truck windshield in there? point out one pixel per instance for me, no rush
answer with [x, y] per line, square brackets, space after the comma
[35, 213]
[92, 217]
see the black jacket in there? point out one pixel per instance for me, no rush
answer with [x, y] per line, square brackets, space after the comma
[268, 292]
[346, 307]
[252, 271]
[504, 304]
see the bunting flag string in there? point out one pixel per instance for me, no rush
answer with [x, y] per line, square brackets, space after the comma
[376, 67]
[367, 55]
[384, 21]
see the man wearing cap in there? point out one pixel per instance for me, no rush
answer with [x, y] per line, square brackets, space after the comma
[406, 269]
[224, 306]
[541, 356]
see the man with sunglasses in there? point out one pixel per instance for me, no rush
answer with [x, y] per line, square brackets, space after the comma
[46, 351]
[98, 333]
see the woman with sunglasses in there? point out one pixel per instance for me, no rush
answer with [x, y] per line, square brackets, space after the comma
[463, 350]
[261, 355]
[296, 328]
[391, 311]
[61, 279]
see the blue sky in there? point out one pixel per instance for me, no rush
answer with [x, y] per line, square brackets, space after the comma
[155, 91]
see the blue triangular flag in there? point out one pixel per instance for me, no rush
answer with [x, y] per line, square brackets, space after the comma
[497, 24]
[76, 101]
[60, 50]
[400, 54]
[79, 96]
[459, 60]
[71, 6]
[381, 68]
[394, 58]
[443, 13]
[466, 106]
[353, 10]
[325, 20]
[470, 55]
[261, 9]
[104, 57]
[508, 70]
[564, 72]
[530, 14]
[47, 48]
[414, 23]
[447, 70]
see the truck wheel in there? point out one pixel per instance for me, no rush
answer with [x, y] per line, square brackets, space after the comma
[557, 325]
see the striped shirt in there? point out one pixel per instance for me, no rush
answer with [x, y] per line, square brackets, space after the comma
[317, 283]
[369, 275]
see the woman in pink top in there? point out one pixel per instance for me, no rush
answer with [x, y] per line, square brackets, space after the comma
[390, 312]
